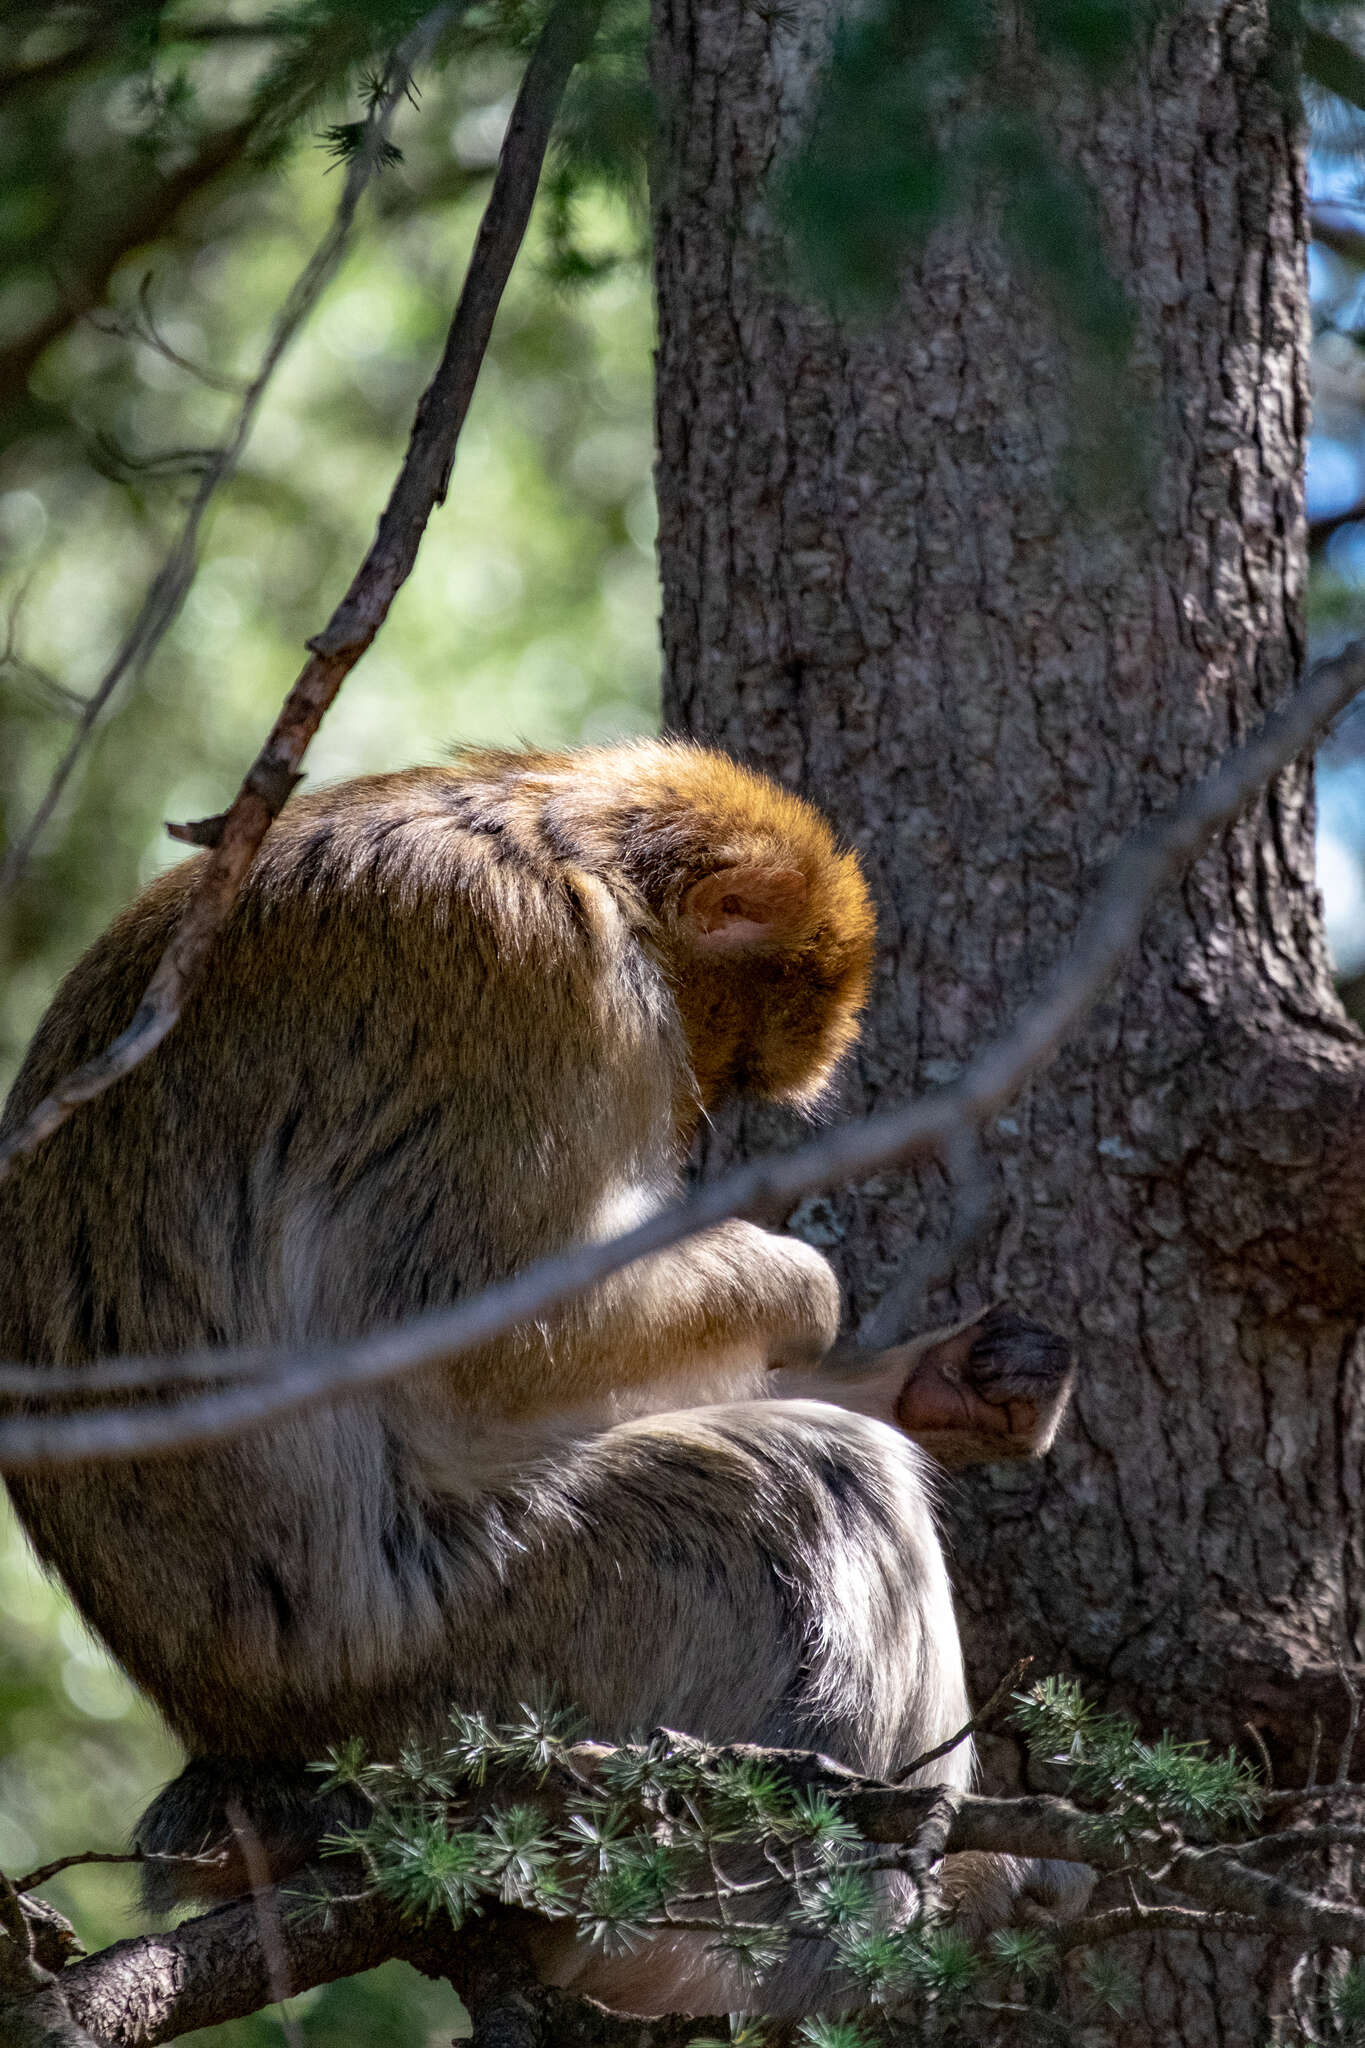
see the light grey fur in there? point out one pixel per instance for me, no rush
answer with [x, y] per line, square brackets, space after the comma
[762, 1570]
[445, 1031]
[807, 1604]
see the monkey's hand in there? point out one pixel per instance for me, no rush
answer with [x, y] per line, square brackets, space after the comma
[987, 1391]
[796, 1295]
[735, 1293]
[981, 1892]
[990, 1390]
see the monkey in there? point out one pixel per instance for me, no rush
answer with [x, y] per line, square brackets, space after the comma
[460, 1017]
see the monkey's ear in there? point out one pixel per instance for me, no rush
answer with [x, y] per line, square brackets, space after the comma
[740, 907]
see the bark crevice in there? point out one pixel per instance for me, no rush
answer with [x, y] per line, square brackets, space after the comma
[876, 587]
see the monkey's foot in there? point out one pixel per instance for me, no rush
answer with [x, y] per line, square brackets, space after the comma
[993, 1389]
[981, 1892]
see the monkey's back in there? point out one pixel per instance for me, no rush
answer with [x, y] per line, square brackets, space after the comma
[412, 1019]
[422, 1049]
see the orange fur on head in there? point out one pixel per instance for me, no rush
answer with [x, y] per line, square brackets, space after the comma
[774, 1015]
[769, 998]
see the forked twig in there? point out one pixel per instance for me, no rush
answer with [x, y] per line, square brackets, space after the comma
[265, 1384]
[420, 487]
[980, 1720]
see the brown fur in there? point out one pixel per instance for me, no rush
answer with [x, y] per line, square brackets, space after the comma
[466, 987]
[462, 1016]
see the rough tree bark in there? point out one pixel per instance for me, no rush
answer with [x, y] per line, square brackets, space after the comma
[874, 586]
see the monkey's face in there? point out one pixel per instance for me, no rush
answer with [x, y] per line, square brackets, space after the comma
[762, 923]
[771, 967]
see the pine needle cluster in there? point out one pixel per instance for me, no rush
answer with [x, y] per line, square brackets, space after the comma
[1107, 1766]
[663, 1836]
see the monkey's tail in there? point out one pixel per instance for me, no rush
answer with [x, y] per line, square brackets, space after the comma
[228, 1826]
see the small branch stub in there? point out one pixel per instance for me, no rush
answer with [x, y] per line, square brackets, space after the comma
[418, 489]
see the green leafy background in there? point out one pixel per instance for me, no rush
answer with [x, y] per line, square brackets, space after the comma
[532, 611]
[532, 615]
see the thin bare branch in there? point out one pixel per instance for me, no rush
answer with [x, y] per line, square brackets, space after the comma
[153, 214]
[1318, 1798]
[1214, 1878]
[1259, 1740]
[1095, 1928]
[273, 1383]
[897, 1315]
[978, 1722]
[421, 485]
[170, 586]
[265, 1903]
[45, 1872]
[142, 325]
[1294, 1841]
[68, 702]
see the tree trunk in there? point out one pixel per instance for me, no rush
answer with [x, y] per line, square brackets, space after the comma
[876, 587]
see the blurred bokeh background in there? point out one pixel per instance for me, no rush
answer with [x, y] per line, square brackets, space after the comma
[1336, 515]
[532, 615]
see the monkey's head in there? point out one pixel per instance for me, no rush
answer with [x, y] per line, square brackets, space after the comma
[762, 921]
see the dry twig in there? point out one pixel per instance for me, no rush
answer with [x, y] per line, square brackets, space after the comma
[45, 1872]
[979, 1721]
[235, 837]
[272, 1383]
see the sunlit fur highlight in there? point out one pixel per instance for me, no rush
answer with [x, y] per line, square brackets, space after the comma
[456, 1021]
[659, 815]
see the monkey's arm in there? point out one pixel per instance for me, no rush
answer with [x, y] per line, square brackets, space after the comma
[733, 1299]
[733, 1290]
[987, 1391]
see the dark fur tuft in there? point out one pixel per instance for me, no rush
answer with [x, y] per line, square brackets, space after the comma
[257, 1818]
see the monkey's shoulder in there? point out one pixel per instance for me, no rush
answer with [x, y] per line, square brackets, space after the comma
[442, 855]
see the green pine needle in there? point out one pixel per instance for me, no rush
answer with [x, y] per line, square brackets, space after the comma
[1110, 1986]
[344, 140]
[424, 1871]
[1348, 2002]
[839, 1903]
[755, 1952]
[817, 1820]
[345, 1764]
[822, 2033]
[1023, 1951]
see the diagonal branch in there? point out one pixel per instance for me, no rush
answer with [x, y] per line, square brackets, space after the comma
[273, 1383]
[156, 1987]
[169, 587]
[421, 485]
[215, 1968]
[151, 217]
